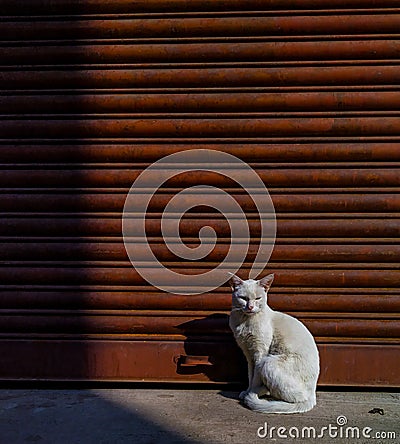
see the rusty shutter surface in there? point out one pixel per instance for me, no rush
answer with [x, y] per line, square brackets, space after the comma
[93, 91]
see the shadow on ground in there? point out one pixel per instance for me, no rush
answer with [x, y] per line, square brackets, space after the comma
[80, 416]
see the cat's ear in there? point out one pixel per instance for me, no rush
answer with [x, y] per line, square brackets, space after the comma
[235, 281]
[266, 282]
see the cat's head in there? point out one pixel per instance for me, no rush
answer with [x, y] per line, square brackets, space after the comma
[250, 296]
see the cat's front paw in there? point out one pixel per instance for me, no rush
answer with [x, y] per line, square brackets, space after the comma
[243, 394]
[264, 392]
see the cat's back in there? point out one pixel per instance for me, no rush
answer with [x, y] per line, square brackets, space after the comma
[292, 334]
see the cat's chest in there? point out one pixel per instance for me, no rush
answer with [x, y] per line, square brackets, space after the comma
[255, 337]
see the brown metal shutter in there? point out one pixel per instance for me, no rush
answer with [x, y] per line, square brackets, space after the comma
[94, 91]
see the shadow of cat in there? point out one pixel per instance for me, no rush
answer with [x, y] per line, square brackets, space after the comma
[213, 358]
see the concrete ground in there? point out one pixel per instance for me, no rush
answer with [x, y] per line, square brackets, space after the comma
[182, 415]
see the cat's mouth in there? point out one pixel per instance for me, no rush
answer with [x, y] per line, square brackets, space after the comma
[250, 312]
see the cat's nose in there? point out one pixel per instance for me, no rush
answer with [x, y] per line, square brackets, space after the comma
[250, 307]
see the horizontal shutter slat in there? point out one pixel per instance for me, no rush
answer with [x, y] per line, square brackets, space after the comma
[208, 128]
[207, 52]
[49, 7]
[322, 299]
[126, 276]
[198, 27]
[183, 324]
[58, 251]
[235, 76]
[113, 202]
[80, 226]
[200, 103]
[272, 177]
[77, 154]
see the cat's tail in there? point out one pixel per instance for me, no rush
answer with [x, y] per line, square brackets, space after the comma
[253, 402]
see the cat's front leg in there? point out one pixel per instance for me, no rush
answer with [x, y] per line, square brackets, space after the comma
[263, 391]
[257, 385]
[250, 373]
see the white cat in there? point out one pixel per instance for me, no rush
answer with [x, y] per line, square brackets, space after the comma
[281, 353]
